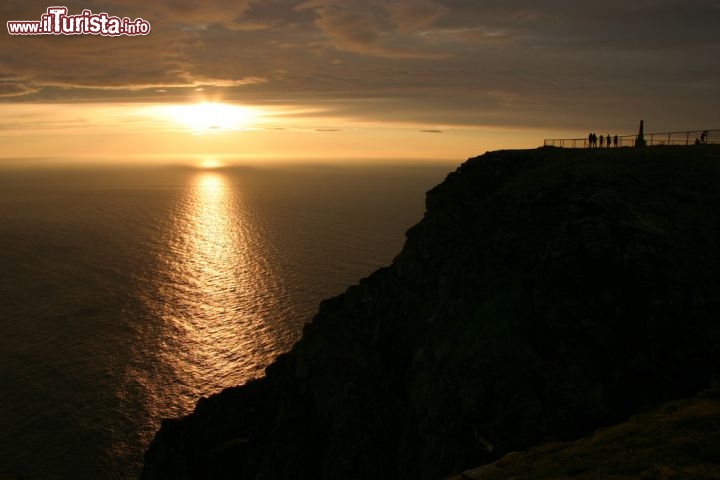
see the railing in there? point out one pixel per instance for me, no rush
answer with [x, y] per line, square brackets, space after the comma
[668, 138]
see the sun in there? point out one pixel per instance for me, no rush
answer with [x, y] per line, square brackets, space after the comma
[208, 117]
[209, 163]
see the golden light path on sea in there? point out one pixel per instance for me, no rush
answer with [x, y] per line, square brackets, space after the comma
[218, 301]
[210, 238]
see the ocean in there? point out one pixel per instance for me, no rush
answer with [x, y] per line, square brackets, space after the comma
[127, 293]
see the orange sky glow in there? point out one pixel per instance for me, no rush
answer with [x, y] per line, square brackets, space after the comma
[357, 79]
[195, 131]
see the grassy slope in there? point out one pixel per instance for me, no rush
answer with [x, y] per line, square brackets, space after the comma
[680, 440]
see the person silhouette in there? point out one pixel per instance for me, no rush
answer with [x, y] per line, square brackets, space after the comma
[703, 136]
[615, 141]
[590, 140]
[602, 139]
[608, 140]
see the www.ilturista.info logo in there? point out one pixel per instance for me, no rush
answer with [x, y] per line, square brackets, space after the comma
[57, 22]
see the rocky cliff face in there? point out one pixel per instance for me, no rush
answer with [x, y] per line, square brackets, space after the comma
[544, 294]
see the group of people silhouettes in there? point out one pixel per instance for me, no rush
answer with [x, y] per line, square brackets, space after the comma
[608, 141]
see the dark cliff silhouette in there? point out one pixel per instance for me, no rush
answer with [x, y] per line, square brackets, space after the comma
[544, 294]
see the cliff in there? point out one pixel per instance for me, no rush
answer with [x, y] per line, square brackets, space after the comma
[545, 293]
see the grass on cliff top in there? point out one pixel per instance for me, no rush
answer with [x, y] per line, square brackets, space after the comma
[680, 440]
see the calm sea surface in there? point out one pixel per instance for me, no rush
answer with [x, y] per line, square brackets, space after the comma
[128, 293]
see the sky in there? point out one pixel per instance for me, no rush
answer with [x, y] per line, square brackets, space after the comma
[341, 79]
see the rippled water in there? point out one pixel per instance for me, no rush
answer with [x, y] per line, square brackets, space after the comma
[125, 295]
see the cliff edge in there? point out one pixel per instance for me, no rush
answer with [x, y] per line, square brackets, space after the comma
[546, 293]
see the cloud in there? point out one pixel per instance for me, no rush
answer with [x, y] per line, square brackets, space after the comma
[375, 28]
[432, 62]
[12, 86]
[39, 65]
[202, 81]
[411, 15]
[189, 14]
[479, 34]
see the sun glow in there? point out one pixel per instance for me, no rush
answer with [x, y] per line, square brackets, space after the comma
[208, 117]
[209, 163]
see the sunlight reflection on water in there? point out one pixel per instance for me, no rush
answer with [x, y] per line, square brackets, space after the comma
[216, 295]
